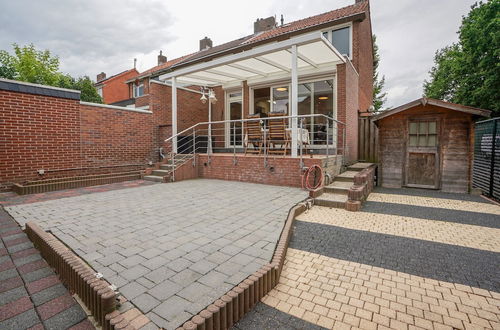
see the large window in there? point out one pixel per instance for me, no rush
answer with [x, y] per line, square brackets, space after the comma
[340, 39]
[423, 134]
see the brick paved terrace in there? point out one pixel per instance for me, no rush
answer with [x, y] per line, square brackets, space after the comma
[171, 249]
[411, 259]
[31, 295]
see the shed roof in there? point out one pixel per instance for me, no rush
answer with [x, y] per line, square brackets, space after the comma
[439, 103]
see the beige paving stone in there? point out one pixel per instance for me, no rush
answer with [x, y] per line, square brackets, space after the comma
[326, 322]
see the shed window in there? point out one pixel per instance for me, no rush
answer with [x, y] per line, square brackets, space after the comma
[423, 134]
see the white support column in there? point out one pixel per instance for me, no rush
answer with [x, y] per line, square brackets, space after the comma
[174, 114]
[294, 102]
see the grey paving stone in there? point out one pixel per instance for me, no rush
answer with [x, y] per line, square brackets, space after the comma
[155, 262]
[48, 294]
[145, 282]
[20, 247]
[203, 266]
[165, 290]
[171, 308]
[145, 302]
[22, 321]
[132, 290]
[118, 281]
[213, 279]
[228, 268]
[110, 259]
[195, 256]
[179, 264]
[12, 295]
[242, 259]
[185, 277]
[6, 274]
[159, 275]
[37, 274]
[150, 253]
[158, 320]
[132, 261]
[66, 318]
[134, 272]
[194, 291]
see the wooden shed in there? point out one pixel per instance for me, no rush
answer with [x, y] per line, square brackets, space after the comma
[427, 143]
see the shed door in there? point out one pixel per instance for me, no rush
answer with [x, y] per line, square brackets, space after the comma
[422, 160]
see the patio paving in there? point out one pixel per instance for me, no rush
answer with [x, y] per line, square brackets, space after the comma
[31, 294]
[171, 249]
[411, 259]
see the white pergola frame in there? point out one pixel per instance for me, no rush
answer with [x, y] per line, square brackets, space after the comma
[211, 73]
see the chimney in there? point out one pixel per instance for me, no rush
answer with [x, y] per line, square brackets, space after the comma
[264, 24]
[161, 58]
[101, 76]
[205, 43]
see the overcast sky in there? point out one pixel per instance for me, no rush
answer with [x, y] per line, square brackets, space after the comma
[99, 35]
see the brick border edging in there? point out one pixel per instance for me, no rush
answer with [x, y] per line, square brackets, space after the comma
[79, 277]
[363, 184]
[224, 312]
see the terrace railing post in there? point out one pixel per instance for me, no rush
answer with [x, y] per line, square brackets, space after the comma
[301, 144]
[327, 139]
[234, 143]
[265, 143]
[344, 146]
[194, 147]
[172, 162]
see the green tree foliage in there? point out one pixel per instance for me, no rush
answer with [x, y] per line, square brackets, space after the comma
[379, 97]
[40, 67]
[468, 72]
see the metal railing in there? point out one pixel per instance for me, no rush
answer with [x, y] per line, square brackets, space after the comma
[316, 133]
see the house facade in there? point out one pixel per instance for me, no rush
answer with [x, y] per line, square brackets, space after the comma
[114, 89]
[318, 65]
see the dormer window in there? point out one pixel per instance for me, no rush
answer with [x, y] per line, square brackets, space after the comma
[341, 39]
[139, 90]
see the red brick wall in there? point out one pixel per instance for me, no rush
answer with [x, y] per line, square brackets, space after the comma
[347, 107]
[115, 137]
[66, 138]
[37, 132]
[251, 169]
[115, 89]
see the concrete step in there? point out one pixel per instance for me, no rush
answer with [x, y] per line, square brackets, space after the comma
[167, 167]
[331, 200]
[359, 166]
[337, 189]
[161, 173]
[153, 178]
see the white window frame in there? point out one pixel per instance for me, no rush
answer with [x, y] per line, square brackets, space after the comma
[228, 100]
[338, 27]
[136, 88]
[99, 91]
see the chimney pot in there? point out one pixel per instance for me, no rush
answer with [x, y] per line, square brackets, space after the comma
[264, 24]
[101, 76]
[205, 43]
[161, 58]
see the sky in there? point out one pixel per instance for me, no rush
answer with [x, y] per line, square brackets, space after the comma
[106, 35]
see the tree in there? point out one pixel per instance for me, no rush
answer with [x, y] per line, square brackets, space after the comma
[40, 67]
[379, 98]
[468, 72]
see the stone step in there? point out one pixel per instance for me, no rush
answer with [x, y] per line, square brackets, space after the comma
[167, 167]
[153, 178]
[336, 189]
[331, 200]
[161, 173]
[359, 166]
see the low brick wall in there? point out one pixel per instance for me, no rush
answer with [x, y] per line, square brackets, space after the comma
[283, 171]
[364, 182]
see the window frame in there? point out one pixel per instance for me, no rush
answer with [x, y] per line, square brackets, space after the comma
[136, 88]
[339, 27]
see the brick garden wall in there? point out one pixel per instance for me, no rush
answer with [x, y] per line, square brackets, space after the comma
[66, 138]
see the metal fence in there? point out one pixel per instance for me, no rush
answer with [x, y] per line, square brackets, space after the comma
[486, 169]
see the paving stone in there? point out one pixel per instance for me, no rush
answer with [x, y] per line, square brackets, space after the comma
[179, 264]
[185, 277]
[203, 266]
[155, 262]
[7, 274]
[48, 294]
[66, 318]
[171, 307]
[165, 290]
[145, 282]
[159, 275]
[145, 302]
[134, 272]
[12, 295]
[21, 321]
[132, 290]
[37, 274]
[194, 291]
[132, 261]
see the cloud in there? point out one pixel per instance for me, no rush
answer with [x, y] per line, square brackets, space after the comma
[106, 35]
[89, 36]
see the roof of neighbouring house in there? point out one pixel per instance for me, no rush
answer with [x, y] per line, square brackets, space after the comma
[115, 76]
[261, 37]
[439, 103]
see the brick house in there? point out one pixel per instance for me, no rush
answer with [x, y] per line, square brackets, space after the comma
[114, 89]
[330, 56]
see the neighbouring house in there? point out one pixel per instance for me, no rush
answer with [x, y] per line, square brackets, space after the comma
[427, 143]
[318, 65]
[114, 89]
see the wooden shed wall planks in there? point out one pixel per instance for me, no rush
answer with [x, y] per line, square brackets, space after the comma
[455, 147]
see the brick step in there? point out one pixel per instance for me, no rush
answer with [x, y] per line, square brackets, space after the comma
[161, 172]
[347, 176]
[358, 167]
[336, 189]
[331, 200]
